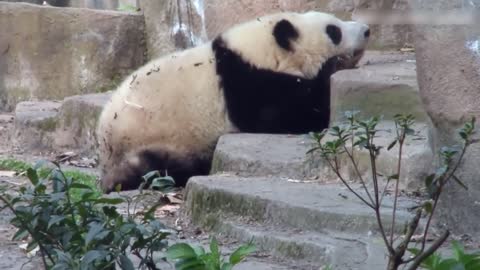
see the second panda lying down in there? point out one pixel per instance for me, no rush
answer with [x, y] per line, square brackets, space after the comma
[269, 75]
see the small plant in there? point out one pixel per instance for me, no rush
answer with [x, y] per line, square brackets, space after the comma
[187, 257]
[460, 260]
[355, 135]
[88, 233]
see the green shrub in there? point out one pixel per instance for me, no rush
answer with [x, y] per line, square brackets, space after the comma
[187, 257]
[357, 134]
[460, 260]
[88, 233]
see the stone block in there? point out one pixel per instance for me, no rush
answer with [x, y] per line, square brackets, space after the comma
[51, 53]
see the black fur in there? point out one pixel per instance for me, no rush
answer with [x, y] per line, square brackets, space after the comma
[180, 168]
[284, 33]
[264, 101]
[335, 33]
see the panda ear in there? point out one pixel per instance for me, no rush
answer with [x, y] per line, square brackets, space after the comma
[284, 33]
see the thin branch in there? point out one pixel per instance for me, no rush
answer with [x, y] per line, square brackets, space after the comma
[391, 251]
[439, 192]
[335, 168]
[399, 166]
[419, 259]
[357, 171]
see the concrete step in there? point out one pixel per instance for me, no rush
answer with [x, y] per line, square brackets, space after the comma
[284, 156]
[68, 125]
[316, 249]
[306, 206]
[309, 223]
[385, 83]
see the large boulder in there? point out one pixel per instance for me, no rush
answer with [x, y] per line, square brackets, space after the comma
[448, 67]
[51, 53]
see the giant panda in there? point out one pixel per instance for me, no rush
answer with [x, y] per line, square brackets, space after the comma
[269, 75]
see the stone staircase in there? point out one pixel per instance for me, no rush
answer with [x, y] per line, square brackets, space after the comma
[312, 221]
[265, 187]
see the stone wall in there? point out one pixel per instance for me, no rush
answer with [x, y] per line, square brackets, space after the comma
[52, 53]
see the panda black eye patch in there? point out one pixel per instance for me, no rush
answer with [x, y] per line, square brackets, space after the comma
[284, 32]
[334, 33]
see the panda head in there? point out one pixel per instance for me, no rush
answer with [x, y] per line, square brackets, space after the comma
[298, 43]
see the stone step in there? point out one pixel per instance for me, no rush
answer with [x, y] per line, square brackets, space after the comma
[285, 156]
[314, 249]
[385, 83]
[306, 206]
[59, 126]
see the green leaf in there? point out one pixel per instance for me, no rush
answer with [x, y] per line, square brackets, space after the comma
[459, 182]
[54, 220]
[162, 183]
[32, 176]
[215, 253]
[20, 235]
[450, 264]
[180, 251]
[95, 228]
[92, 256]
[80, 186]
[239, 254]
[31, 246]
[125, 263]
[391, 145]
[190, 264]
[428, 206]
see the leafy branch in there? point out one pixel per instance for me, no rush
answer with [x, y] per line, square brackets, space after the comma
[361, 134]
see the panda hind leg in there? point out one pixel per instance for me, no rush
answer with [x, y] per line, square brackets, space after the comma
[130, 171]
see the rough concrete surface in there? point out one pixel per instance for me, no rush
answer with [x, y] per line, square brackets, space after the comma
[311, 248]
[34, 123]
[448, 59]
[77, 122]
[307, 222]
[50, 53]
[383, 85]
[59, 126]
[307, 206]
[285, 156]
